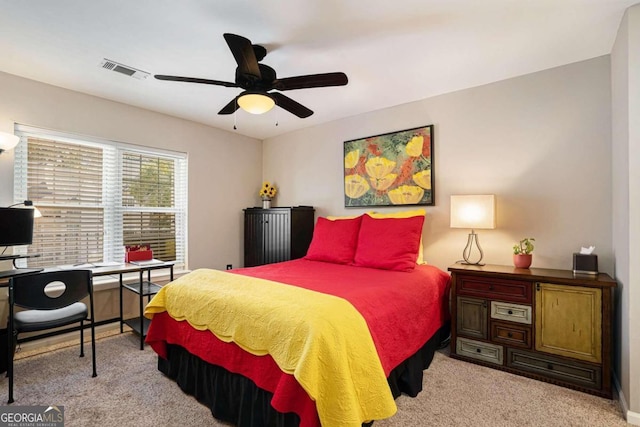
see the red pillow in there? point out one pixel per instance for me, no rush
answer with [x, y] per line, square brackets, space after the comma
[389, 243]
[334, 241]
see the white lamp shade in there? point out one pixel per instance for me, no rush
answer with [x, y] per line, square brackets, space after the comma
[8, 141]
[475, 212]
[256, 103]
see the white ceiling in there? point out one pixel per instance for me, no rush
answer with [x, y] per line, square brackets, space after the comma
[393, 51]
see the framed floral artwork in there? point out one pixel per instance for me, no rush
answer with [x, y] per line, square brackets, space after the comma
[391, 169]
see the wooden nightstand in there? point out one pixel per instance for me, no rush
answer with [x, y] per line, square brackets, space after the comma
[546, 324]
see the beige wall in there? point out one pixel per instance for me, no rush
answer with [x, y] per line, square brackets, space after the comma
[541, 143]
[625, 66]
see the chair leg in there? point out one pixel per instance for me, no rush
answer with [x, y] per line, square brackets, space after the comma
[81, 338]
[93, 347]
[10, 334]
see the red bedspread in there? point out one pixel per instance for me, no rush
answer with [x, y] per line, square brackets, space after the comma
[402, 309]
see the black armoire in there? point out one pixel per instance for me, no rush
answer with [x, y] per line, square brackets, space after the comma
[276, 234]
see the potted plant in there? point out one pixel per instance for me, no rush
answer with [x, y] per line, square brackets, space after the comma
[522, 252]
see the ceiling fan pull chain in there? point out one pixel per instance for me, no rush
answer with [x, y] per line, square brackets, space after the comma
[235, 113]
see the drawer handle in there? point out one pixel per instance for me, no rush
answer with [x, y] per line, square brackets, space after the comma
[490, 287]
[510, 311]
[478, 350]
[510, 335]
[550, 367]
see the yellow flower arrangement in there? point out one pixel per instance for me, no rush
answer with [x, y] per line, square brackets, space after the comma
[267, 191]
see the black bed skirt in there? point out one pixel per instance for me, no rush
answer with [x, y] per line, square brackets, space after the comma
[235, 399]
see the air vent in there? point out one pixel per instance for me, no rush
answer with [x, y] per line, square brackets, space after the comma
[108, 64]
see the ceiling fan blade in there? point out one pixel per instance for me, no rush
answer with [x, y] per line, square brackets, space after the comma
[311, 80]
[195, 80]
[242, 51]
[290, 105]
[230, 108]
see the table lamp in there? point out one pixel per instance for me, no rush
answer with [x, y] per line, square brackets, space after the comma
[474, 212]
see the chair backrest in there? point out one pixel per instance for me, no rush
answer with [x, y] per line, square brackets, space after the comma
[70, 286]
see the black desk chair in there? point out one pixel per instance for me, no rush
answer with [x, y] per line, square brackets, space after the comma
[51, 299]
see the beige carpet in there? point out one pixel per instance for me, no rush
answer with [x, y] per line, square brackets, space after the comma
[129, 391]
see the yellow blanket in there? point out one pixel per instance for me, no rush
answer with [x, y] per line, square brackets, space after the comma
[321, 339]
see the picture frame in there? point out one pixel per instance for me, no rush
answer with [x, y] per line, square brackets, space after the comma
[391, 169]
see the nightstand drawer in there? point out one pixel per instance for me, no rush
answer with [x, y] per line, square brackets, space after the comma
[506, 290]
[578, 373]
[480, 350]
[511, 312]
[511, 334]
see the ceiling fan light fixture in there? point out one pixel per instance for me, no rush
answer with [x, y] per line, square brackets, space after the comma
[8, 141]
[256, 103]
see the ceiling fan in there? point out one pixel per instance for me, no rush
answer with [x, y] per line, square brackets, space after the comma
[258, 79]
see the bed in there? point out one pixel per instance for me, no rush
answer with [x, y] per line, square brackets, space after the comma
[331, 339]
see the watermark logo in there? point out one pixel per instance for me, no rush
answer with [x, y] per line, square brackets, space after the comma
[32, 416]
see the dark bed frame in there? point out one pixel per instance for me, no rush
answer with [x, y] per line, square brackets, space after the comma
[235, 399]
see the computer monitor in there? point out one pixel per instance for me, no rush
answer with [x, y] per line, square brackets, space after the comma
[16, 226]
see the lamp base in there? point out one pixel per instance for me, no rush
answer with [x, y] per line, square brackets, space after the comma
[479, 264]
[466, 253]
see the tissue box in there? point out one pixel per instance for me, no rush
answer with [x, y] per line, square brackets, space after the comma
[138, 256]
[585, 264]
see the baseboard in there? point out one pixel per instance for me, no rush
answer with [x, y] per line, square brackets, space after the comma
[632, 418]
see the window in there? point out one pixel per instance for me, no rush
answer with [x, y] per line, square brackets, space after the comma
[98, 196]
[148, 197]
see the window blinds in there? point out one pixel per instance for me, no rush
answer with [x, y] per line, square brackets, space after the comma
[96, 197]
[148, 203]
